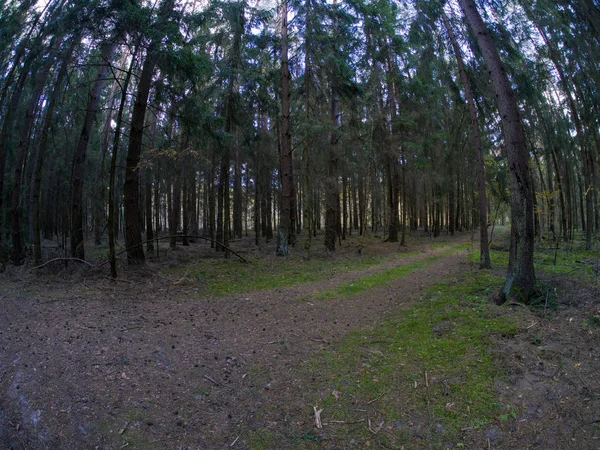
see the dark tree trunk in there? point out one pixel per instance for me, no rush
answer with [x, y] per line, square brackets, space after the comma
[77, 183]
[331, 183]
[18, 254]
[484, 251]
[133, 232]
[520, 278]
[44, 135]
[113, 211]
[287, 210]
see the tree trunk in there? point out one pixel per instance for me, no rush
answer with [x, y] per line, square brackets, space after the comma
[18, 254]
[520, 278]
[44, 135]
[286, 171]
[77, 183]
[133, 232]
[331, 183]
[484, 251]
[112, 208]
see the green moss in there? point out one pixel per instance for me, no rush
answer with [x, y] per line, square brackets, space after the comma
[430, 365]
[384, 277]
[222, 277]
[261, 440]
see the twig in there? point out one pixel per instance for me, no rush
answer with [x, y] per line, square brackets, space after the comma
[233, 443]
[426, 380]
[317, 340]
[318, 417]
[345, 422]
[211, 380]
[62, 259]
[376, 398]
[379, 427]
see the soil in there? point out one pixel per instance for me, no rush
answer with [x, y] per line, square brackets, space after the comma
[149, 362]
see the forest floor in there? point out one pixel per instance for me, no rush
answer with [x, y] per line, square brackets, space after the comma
[395, 347]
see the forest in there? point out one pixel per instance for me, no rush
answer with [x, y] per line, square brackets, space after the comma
[170, 167]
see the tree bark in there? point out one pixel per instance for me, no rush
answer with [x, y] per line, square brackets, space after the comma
[18, 254]
[112, 210]
[286, 170]
[133, 232]
[520, 277]
[484, 251]
[77, 182]
[44, 135]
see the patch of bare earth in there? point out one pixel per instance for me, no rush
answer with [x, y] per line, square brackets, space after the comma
[551, 375]
[145, 363]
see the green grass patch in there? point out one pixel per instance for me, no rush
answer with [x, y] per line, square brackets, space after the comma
[571, 259]
[426, 375]
[222, 277]
[261, 440]
[384, 277]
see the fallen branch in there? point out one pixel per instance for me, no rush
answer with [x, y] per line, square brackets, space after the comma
[62, 259]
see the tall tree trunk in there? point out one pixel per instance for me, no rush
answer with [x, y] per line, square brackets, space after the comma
[112, 208]
[484, 251]
[520, 278]
[133, 232]
[18, 254]
[287, 211]
[7, 126]
[238, 194]
[307, 192]
[331, 183]
[77, 183]
[44, 135]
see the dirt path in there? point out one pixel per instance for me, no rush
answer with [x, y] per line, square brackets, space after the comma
[157, 368]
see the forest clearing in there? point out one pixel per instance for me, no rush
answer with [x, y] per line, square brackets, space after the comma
[398, 347]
